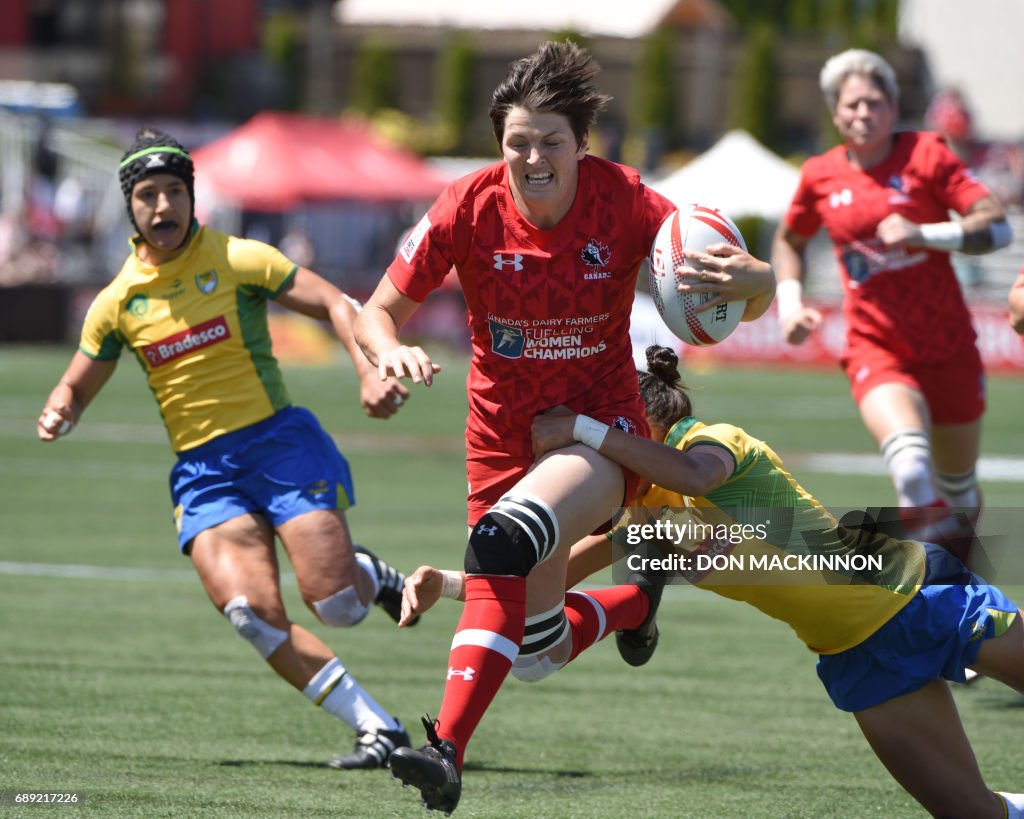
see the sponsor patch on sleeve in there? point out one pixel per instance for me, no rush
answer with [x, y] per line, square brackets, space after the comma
[412, 242]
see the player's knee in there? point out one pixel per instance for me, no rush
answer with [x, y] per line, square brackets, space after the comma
[517, 533]
[546, 646]
[265, 638]
[908, 457]
[342, 609]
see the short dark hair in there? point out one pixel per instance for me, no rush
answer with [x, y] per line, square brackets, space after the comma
[556, 78]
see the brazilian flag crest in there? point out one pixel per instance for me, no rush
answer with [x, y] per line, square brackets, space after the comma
[207, 282]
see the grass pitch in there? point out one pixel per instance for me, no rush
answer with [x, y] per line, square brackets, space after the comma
[119, 680]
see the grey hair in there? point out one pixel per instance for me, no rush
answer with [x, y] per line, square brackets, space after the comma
[861, 62]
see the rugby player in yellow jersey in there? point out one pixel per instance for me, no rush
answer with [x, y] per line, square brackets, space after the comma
[887, 640]
[191, 304]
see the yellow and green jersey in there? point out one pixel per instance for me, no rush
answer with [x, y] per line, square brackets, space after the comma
[198, 327]
[761, 538]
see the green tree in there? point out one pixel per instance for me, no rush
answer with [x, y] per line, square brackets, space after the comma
[373, 77]
[802, 16]
[455, 86]
[282, 48]
[654, 109]
[755, 105]
[841, 16]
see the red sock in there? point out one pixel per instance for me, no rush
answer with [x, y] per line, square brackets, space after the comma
[486, 643]
[922, 520]
[594, 614]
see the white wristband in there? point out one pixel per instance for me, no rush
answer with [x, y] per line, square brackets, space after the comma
[789, 297]
[942, 235]
[452, 584]
[589, 432]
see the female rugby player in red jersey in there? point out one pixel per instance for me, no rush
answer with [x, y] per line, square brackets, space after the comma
[546, 245]
[884, 198]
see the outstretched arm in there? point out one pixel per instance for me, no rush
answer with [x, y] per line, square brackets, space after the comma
[314, 296]
[377, 334]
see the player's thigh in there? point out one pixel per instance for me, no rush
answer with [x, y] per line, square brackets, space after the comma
[582, 487]
[237, 557]
[921, 741]
[319, 546]
[955, 447]
[892, 406]
[1002, 657]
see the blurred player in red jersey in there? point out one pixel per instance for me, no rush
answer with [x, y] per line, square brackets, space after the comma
[916, 375]
[546, 244]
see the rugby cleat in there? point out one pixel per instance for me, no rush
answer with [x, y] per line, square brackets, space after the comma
[432, 769]
[636, 645]
[390, 583]
[373, 749]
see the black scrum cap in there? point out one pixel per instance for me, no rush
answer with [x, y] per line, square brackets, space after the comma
[154, 152]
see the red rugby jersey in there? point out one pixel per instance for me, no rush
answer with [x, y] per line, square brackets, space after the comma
[548, 309]
[905, 300]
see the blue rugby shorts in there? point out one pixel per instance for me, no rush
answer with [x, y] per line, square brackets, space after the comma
[936, 635]
[280, 467]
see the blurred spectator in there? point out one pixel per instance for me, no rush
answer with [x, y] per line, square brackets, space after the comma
[998, 165]
[297, 245]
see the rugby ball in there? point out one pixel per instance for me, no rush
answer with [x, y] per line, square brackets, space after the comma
[693, 228]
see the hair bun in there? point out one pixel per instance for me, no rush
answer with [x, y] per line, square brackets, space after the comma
[664, 363]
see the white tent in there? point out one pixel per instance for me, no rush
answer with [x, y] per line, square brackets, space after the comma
[608, 18]
[737, 175]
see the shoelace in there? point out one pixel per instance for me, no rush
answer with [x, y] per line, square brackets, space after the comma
[430, 726]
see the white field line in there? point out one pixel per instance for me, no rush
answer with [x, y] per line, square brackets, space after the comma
[78, 571]
[996, 468]
[990, 467]
[155, 434]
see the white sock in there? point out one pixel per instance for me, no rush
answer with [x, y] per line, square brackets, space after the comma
[960, 490]
[1014, 804]
[335, 690]
[908, 457]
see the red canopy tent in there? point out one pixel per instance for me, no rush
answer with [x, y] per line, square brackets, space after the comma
[277, 161]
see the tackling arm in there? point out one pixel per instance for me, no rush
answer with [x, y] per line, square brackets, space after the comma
[693, 473]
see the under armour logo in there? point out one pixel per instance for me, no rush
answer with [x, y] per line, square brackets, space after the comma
[843, 197]
[490, 531]
[155, 161]
[516, 261]
[466, 673]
